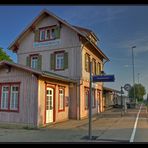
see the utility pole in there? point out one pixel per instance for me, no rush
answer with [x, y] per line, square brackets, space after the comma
[133, 72]
[138, 77]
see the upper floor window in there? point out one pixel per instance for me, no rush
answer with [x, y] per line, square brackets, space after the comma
[87, 62]
[34, 61]
[98, 68]
[94, 66]
[42, 35]
[59, 60]
[47, 33]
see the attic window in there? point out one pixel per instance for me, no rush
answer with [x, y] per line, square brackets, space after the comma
[49, 33]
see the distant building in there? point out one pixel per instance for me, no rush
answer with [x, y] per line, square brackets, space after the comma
[110, 97]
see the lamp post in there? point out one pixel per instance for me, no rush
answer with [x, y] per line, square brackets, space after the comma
[138, 77]
[133, 72]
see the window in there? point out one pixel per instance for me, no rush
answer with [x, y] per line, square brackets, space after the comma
[47, 33]
[86, 97]
[14, 97]
[42, 35]
[61, 99]
[59, 61]
[34, 61]
[93, 66]
[93, 98]
[87, 61]
[9, 97]
[98, 68]
[4, 97]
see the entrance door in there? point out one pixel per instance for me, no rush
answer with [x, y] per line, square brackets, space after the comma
[49, 105]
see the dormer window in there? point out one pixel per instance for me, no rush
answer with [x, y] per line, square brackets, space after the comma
[42, 35]
[48, 33]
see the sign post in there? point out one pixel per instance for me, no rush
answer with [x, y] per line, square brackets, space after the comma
[126, 87]
[90, 104]
[96, 78]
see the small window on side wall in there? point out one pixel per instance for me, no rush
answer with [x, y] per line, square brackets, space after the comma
[87, 62]
[61, 99]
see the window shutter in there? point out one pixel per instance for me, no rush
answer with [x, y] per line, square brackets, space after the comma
[40, 62]
[65, 60]
[36, 35]
[28, 61]
[52, 61]
[57, 32]
[97, 69]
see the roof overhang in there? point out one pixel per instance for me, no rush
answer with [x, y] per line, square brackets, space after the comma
[37, 72]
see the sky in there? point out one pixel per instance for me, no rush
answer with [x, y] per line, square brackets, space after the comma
[118, 27]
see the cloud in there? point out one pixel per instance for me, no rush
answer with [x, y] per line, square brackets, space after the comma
[140, 40]
[91, 15]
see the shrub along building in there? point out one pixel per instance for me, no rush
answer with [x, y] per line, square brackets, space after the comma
[50, 82]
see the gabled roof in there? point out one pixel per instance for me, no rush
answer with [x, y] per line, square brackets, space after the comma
[46, 12]
[86, 31]
[37, 72]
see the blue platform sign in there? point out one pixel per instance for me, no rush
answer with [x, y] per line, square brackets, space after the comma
[103, 78]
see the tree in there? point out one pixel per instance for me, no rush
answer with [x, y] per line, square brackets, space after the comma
[139, 92]
[4, 56]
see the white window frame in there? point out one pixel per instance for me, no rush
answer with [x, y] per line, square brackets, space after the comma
[61, 99]
[52, 34]
[14, 101]
[4, 100]
[93, 98]
[34, 62]
[41, 31]
[59, 61]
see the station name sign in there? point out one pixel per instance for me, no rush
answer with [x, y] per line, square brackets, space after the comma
[103, 78]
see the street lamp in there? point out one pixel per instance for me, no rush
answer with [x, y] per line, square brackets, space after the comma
[138, 77]
[133, 72]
